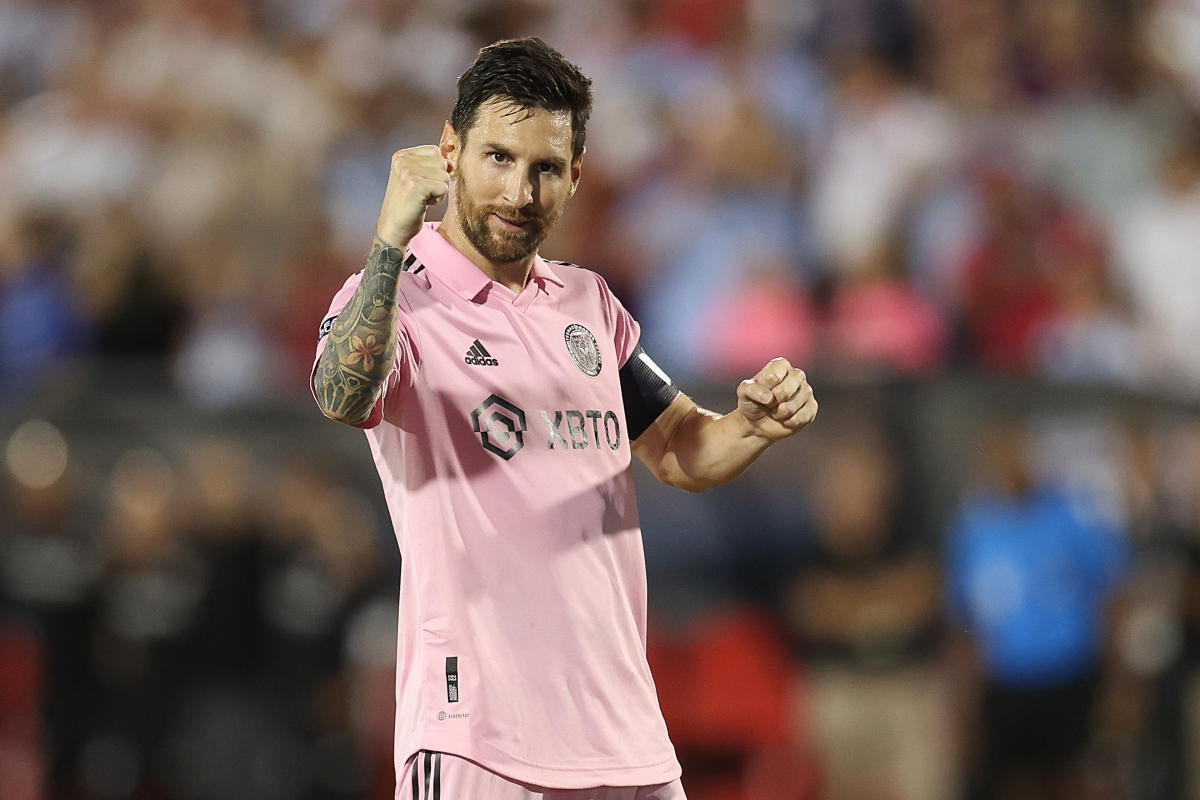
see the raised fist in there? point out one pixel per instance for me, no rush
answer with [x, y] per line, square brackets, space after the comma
[777, 401]
[420, 177]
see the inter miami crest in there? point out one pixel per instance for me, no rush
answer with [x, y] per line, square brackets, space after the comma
[581, 344]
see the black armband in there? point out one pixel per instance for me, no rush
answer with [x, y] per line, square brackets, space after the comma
[646, 391]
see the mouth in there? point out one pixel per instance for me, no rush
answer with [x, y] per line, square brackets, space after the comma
[512, 224]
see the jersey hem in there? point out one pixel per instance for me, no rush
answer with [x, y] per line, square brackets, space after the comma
[547, 777]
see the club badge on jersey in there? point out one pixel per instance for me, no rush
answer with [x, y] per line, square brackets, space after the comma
[584, 350]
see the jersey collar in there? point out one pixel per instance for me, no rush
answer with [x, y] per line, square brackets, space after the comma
[457, 271]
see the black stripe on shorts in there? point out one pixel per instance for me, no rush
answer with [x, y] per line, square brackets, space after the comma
[433, 776]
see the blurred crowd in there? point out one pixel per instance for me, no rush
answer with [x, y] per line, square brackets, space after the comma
[885, 191]
[867, 186]
[191, 625]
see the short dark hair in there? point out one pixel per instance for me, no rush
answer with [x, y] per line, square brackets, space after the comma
[530, 74]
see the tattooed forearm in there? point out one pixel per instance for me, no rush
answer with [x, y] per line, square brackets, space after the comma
[362, 343]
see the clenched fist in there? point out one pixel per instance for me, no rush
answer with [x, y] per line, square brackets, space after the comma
[420, 177]
[777, 401]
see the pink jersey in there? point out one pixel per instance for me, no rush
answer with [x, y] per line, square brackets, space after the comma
[503, 449]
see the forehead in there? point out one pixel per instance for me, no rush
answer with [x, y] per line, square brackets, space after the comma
[530, 131]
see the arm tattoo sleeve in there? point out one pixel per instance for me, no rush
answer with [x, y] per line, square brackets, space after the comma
[362, 342]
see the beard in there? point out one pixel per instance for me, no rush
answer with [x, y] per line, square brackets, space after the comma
[501, 246]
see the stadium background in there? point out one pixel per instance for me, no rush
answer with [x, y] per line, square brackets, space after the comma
[966, 219]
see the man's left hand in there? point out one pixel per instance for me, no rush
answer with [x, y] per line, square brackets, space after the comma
[777, 401]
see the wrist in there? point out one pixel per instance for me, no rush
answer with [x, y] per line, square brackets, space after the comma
[749, 431]
[392, 239]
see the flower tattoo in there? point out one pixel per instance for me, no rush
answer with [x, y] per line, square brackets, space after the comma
[361, 347]
[364, 350]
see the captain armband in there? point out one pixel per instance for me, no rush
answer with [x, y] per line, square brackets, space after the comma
[646, 391]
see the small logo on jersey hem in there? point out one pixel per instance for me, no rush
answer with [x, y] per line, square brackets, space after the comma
[478, 356]
[443, 716]
[326, 327]
[581, 344]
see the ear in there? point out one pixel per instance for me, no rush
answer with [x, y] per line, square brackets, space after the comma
[576, 172]
[450, 145]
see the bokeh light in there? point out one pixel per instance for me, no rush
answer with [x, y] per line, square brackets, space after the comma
[37, 454]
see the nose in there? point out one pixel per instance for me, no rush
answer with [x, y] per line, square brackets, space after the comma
[518, 189]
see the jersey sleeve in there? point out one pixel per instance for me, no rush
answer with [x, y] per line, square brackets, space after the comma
[646, 390]
[403, 366]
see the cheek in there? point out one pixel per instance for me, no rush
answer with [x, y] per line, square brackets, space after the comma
[553, 193]
[480, 180]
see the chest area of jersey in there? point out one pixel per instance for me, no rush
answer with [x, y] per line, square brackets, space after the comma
[544, 382]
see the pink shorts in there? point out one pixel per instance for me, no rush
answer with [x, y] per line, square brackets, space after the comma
[444, 776]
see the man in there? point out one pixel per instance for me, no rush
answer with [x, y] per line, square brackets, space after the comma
[1032, 583]
[503, 396]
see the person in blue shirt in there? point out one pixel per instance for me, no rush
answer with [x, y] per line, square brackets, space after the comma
[1030, 577]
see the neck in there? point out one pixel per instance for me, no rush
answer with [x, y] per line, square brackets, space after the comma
[513, 274]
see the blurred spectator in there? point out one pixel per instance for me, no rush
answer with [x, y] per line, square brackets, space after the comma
[767, 314]
[1092, 337]
[137, 305]
[878, 323]
[729, 224]
[42, 320]
[1030, 582]
[1159, 266]
[887, 138]
[1010, 277]
[50, 567]
[150, 597]
[863, 612]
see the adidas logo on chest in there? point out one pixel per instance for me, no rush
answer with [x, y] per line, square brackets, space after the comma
[478, 356]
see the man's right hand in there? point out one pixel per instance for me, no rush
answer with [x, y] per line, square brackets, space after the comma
[420, 177]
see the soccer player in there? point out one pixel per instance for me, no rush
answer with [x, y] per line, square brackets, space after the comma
[503, 396]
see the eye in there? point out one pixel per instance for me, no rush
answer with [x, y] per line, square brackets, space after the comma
[548, 169]
[497, 157]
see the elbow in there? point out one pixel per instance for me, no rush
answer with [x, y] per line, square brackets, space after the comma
[696, 486]
[337, 416]
[668, 470]
[345, 419]
[687, 483]
[353, 418]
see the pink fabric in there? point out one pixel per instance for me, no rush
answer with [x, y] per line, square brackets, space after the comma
[443, 775]
[522, 559]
